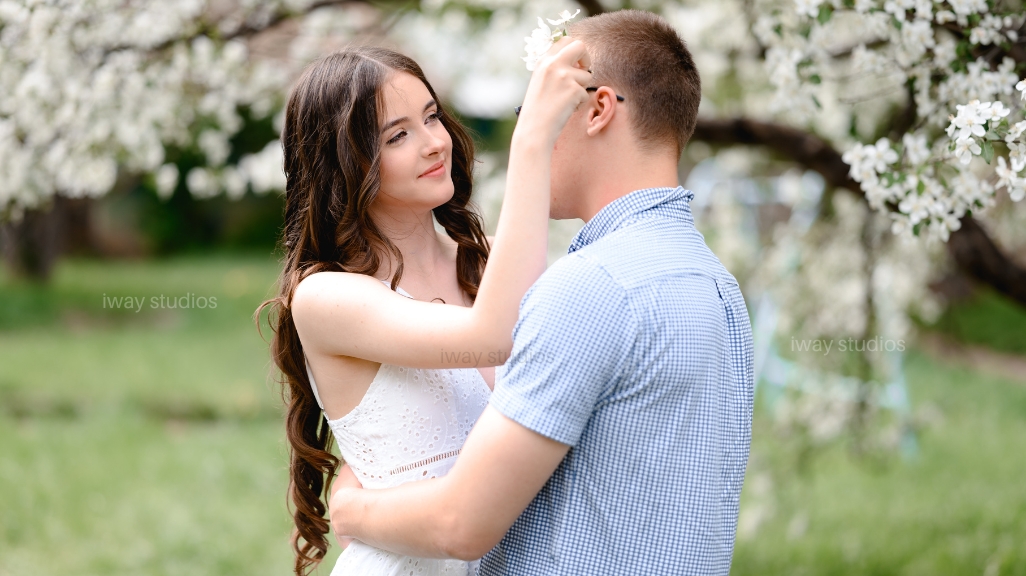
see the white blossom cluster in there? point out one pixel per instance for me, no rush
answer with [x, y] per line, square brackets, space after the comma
[90, 89]
[819, 51]
[542, 37]
[912, 185]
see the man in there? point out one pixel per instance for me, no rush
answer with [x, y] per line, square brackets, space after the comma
[617, 436]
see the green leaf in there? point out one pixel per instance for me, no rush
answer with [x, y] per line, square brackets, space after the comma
[816, 102]
[815, 79]
[895, 22]
[916, 228]
[779, 30]
[964, 49]
[988, 151]
[921, 187]
[825, 12]
[991, 135]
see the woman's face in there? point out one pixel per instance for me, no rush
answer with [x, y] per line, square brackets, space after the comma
[416, 149]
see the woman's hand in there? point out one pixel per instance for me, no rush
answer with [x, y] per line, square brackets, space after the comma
[557, 87]
[346, 479]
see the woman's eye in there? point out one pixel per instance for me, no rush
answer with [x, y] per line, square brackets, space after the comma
[435, 117]
[397, 137]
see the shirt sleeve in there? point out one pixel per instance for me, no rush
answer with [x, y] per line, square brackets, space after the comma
[571, 344]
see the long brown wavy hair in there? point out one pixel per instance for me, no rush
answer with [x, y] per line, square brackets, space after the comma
[332, 148]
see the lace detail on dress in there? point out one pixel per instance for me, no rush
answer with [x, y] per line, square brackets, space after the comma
[410, 424]
[425, 462]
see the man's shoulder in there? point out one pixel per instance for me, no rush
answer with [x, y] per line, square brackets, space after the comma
[645, 249]
[576, 273]
[573, 284]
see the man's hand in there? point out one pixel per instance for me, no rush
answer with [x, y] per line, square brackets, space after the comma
[345, 480]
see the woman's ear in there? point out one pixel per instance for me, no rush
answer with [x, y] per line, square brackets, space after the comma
[602, 109]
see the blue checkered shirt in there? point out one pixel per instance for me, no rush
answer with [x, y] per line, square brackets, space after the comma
[635, 349]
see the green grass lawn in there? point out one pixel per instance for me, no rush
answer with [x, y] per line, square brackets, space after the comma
[141, 442]
[150, 442]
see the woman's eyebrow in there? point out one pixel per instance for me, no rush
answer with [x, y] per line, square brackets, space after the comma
[392, 123]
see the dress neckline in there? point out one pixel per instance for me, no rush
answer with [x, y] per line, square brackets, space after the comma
[359, 405]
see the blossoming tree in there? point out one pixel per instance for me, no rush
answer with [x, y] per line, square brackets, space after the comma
[914, 105]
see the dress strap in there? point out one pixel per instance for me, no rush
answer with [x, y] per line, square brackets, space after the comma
[313, 385]
[398, 289]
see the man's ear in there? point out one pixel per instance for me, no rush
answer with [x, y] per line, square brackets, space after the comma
[601, 110]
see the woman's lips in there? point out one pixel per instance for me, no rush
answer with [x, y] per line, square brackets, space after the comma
[436, 169]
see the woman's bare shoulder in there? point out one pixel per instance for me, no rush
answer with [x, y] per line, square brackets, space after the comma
[337, 280]
[335, 289]
[326, 304]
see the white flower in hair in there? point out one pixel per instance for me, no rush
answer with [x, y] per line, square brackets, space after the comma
[542, 38]
[537, 44]
[564, 17]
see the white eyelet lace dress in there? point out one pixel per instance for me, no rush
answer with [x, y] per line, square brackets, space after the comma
[409, 426]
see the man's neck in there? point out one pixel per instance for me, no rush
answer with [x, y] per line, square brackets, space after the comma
[605, 191]
[619, 165]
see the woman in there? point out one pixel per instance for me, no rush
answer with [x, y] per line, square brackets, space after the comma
[401, 377]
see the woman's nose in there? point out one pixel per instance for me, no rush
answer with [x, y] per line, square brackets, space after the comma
[434, 143]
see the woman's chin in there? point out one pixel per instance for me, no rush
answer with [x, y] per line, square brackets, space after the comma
[442, 192]
[429, 195]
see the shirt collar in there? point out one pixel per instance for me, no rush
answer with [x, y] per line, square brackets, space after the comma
[671, 202]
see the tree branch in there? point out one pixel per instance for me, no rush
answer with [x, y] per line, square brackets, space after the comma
[970, 246]
[797, 145]
[976, 253]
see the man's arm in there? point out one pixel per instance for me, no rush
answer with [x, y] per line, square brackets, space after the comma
[465, 513]
[572, 343]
